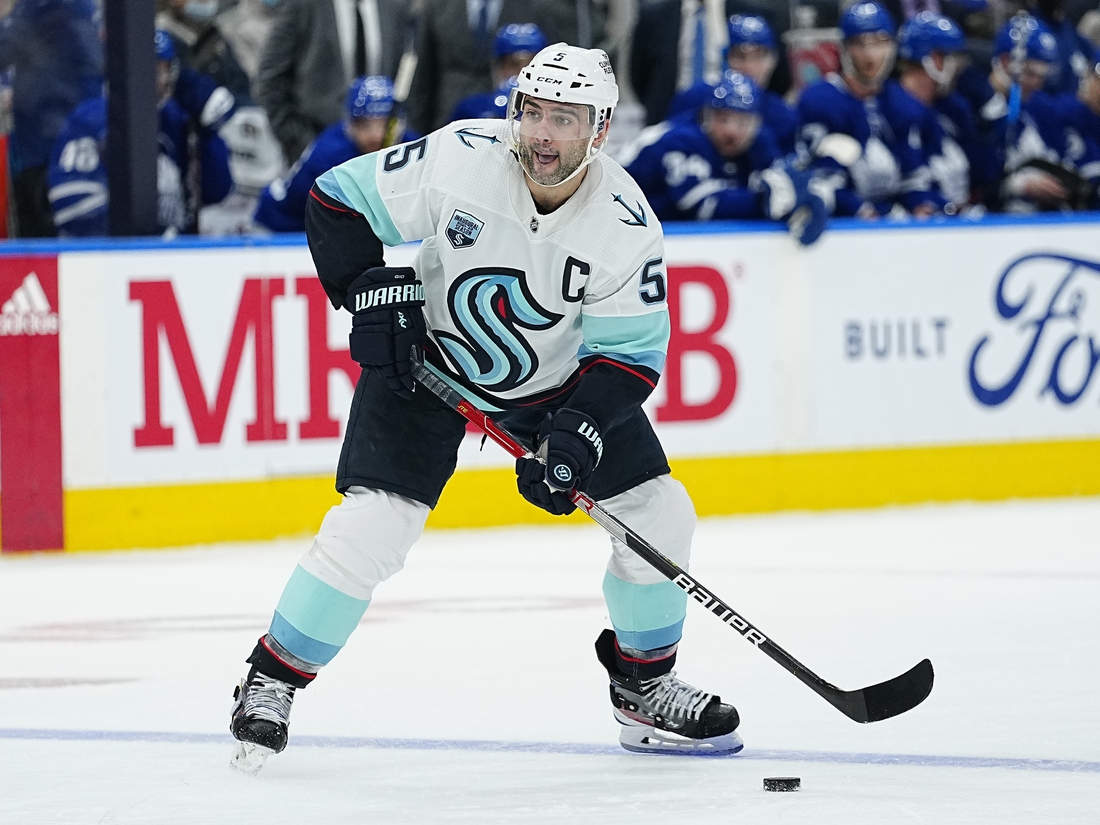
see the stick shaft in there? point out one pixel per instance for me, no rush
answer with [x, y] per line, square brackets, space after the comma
[665, 566]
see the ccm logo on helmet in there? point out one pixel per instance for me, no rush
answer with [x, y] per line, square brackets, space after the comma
[552, 80]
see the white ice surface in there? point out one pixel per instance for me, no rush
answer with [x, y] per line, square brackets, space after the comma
[472, 693]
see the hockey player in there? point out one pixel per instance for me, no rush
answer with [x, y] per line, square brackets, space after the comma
[539, 289]
[726, 166]
[893, 174]
[1039, 157]
[513, 49]
[367, 109]
[930, 57]
[753, 53]
[1084, 118]
[190, 104]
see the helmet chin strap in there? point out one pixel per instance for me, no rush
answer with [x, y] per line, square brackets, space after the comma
[589, 155]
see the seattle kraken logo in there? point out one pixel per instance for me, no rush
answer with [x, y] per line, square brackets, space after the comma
[489, 304]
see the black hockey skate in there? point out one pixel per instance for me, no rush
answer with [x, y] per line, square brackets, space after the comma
[663, 714]
[261, 716]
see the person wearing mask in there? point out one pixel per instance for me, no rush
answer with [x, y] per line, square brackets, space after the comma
[513, 49]
[892, 175]
[368, 107]
[56, 53]
[725, 166]
[246, 27]
[192, 106]
[202, 47]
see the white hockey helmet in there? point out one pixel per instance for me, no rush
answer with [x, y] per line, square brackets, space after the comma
[567, 74]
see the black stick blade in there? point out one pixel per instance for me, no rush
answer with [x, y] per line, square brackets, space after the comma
[890, 698]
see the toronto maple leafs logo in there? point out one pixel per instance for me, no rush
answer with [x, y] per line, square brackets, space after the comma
[490, 305]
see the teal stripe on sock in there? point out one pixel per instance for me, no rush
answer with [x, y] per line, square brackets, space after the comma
[645, 616]
[319, 610]
[301, 645]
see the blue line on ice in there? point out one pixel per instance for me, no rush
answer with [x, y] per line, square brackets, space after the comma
[567, 748]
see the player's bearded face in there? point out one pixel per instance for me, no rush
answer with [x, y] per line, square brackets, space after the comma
[554, 139]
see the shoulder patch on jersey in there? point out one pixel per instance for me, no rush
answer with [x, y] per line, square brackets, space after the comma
[463, 229]
[637, 218]
[466, 134]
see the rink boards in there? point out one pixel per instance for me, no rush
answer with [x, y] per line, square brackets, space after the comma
[159, 394]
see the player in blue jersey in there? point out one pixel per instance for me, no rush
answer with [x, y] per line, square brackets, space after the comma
[753, 53]
[892, 175]
[725, 166]
[1074, 49]
[931, 53]
[513, 49]
[1040, 159]
[367, 109]
[1084, 118]
[191, 105]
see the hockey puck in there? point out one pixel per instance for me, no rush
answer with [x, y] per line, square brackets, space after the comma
[782, 783]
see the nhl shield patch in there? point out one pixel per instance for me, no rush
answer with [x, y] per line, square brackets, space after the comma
[463, 229]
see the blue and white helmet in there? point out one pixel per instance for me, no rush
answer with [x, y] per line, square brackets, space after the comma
[750, 30]
[518, 37]
[927, 33]
[369, 97]
[165, 46]
[866, 18]
[1038, 41]
[735, 92]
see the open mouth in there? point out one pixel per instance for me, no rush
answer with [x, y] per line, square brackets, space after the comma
[543, 160]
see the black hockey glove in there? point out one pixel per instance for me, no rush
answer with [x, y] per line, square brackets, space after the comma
[386, 304]
[569, 442]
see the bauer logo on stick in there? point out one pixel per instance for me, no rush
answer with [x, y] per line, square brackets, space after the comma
[463, 229]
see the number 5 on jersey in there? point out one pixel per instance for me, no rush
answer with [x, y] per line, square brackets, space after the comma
[653, 283]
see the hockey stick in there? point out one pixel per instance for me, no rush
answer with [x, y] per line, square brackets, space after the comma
[401, 86]
[871, 704]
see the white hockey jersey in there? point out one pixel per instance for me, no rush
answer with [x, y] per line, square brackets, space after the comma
[517, 301]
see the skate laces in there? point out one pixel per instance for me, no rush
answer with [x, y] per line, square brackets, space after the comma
[674, 700]
[267, 698]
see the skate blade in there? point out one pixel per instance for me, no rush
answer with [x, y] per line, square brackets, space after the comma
[248, 757]
[644, 739]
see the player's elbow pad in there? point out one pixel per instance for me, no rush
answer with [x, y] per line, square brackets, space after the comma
[342, 243]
